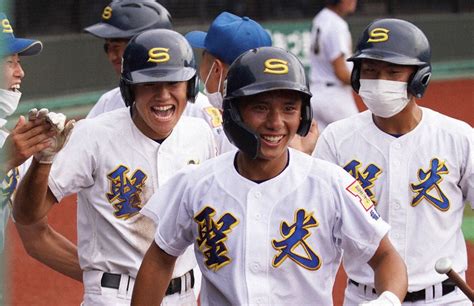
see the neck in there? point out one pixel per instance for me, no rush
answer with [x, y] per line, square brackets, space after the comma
[260, 169]
[403, 122]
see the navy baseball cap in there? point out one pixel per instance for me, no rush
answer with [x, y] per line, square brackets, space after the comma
[229, 36]
[10, 45]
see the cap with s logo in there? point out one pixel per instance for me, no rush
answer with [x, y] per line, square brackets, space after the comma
[11, 45]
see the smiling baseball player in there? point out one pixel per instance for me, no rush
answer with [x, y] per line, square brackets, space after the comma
[416, 164]
[268, 223]
[115, 162]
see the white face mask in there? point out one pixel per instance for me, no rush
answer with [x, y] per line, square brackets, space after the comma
[384, 98]
[8, 102]
[215, 98]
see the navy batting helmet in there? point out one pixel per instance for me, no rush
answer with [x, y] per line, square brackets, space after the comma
[256, 71]
[124, 19]
[158, 55]
[399, 42]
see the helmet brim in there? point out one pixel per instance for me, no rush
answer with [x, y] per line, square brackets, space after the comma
[261, 87]
[104, 30]
[386, 56]
[161, 75]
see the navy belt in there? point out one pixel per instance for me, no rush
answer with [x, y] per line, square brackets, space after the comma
[447, 287]
[110, 280]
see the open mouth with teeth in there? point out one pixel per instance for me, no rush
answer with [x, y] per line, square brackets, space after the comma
[164, 112]
[272, 139]
[15, 87]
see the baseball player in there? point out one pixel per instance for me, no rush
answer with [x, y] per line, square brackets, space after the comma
[121, 20]
[228, 37]
[331, 45]
[116, 161]
[28, 137]
[414, 163]
[268, 223]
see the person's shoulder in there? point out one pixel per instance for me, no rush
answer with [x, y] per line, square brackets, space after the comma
[439, 121]
[113, 93]
[351, 125]
[190, 123]
[109, 120]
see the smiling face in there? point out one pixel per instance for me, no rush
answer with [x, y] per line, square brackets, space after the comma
[158, 107]
[275, 116]
[12, 72]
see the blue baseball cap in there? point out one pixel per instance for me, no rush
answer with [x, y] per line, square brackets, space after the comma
[10, 45]
[229, 36]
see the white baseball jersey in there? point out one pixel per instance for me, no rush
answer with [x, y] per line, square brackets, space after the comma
[419, 182]
[279, 241]
[114, 169]
[201, 108]
[330, 38]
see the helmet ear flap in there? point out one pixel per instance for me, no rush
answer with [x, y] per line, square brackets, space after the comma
[419, 82]
[193, 88]
[127, 92]
[355, 77]
[306, 117]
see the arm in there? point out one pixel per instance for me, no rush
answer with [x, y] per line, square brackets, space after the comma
[25, 140]
[153, 277]
[341, 71]
[389, 270]
[46, 245]
[33, 198]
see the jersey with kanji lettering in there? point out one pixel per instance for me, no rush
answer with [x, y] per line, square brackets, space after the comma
[114, 169]
[279, 241]
[419, 183]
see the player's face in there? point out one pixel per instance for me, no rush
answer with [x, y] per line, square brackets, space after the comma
[158, 107]
[373, 70]
[114, 49]
[275, 116]
[12, 72]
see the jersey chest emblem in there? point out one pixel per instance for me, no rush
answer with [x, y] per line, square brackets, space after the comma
[125, 191]
[212, 236]
[294, 237]
[428, 186]
[366, 177]
[9, 183]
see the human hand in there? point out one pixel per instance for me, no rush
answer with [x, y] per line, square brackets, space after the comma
[62, 130]
[26, 139]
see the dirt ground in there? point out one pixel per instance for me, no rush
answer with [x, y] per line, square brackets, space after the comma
[31, 283]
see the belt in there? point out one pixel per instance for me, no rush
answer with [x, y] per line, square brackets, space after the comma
[110, 280]
[447, 287]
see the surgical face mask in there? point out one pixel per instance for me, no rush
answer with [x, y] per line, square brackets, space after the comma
[8, 102]
[384, 98]
[215, 98]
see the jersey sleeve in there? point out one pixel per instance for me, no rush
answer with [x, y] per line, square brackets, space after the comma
[359, 228]
[325, 149]
[168, 209]
[73, 167]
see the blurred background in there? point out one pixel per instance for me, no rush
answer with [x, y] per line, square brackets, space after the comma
[72, 70]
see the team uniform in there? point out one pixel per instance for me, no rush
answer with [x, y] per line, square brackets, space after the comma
[419, 183]
[330, 38]
[201, 108]
[114, 169]
[266, 243]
